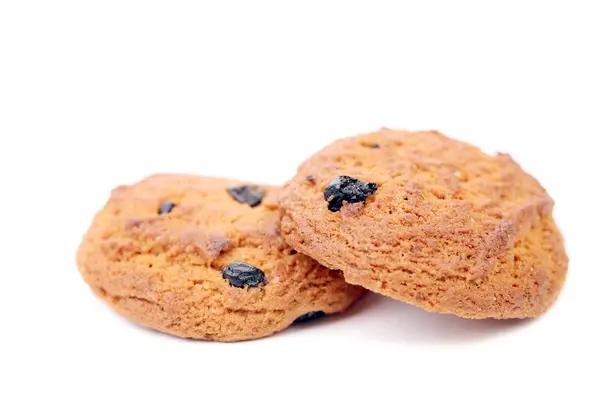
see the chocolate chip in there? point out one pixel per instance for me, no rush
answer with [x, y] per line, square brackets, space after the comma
[240, 274]
[309, 316]
[345, 188]
[166, 207]
[251, 195]
[292, 252]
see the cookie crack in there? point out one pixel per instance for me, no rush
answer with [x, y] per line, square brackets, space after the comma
[245, 312]
[116, 298]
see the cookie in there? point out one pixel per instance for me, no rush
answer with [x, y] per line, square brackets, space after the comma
[430, 221]
[203, 258]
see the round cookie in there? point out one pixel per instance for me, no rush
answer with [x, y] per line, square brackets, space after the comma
[431, 221]
[203, 258]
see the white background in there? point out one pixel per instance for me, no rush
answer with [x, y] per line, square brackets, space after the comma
[96, 94]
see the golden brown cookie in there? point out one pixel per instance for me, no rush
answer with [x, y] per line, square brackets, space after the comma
[430, 221]
[203, 258]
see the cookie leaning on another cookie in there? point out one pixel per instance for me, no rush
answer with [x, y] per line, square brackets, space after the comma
[430, 221]
[203, 258]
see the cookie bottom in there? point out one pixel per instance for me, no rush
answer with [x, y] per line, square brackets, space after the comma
[179, 318]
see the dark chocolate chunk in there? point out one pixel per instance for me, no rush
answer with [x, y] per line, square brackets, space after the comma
[251, 195]
[240, 274]
[166, 207]
[309, 316]
[345, 188]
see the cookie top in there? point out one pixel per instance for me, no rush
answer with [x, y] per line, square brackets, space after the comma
[428, 220]
[203, 258]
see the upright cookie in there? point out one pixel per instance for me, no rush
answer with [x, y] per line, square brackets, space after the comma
[430, 221]
[203, 258]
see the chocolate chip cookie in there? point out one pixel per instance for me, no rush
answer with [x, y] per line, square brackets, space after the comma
[431, 221]
[203, 258]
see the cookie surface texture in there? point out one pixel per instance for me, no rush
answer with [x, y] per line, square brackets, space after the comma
[430, 221]
[183, 255]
